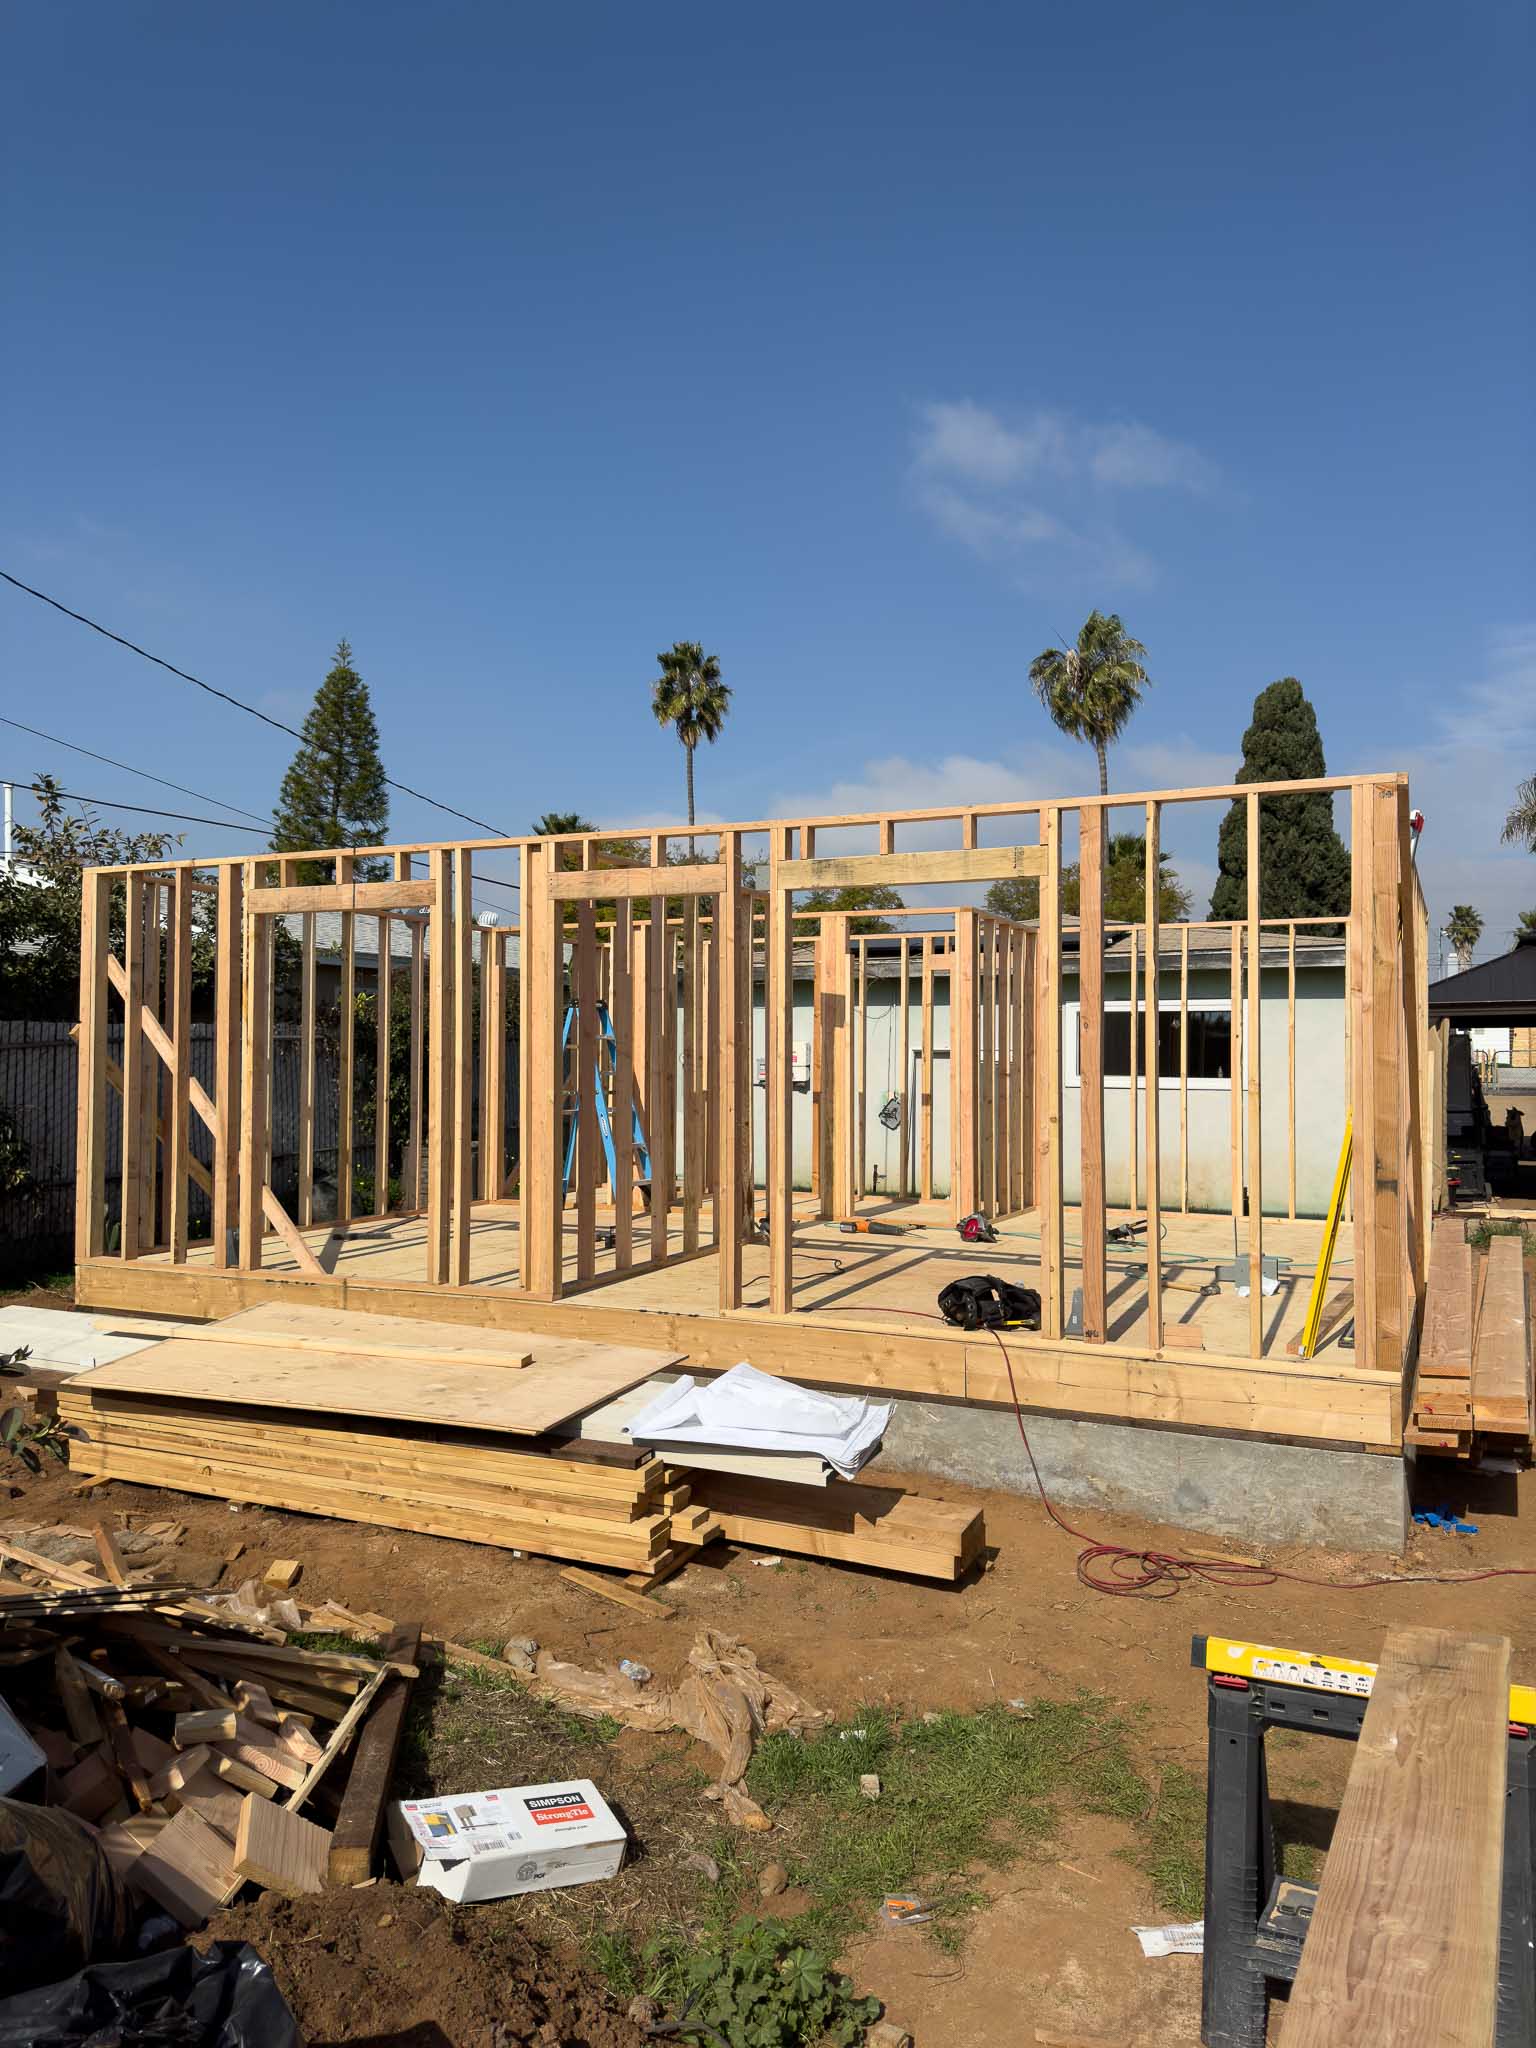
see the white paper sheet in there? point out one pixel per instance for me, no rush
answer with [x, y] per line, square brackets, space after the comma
[757, 1412]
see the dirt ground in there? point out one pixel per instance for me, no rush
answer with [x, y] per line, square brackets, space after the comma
[1052, 1950]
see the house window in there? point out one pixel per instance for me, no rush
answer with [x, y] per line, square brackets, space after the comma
[1210, 1045]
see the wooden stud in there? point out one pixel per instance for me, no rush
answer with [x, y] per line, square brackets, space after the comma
[1153, 1011]
[1048, 976]
[904, 1159]
[178, 1152]
[1184, 1070]
[986, 1063]
[1255, 1093]
[583, 1079]
[621, 1015]
[926, 1142]
[694, 1118]
[1290, 1073]
[440, 1089]
[133, 1068]
[255, 1060]
[91, 1119]
[463, 1067]
[1090, 977]
[415, 1089]
[733, 1103]
[382, 990]
[346, 1059]
[661, 1011]
[1133, 1099]
[861, 1067]
[1236, 1090]
[780, 998]
[308, 1071]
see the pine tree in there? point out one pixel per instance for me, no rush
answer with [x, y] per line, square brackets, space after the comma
[334, 793]
[1303, 863]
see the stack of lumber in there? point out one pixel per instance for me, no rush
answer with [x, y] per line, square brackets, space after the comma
[880, 1526]
[1474, 1378]
[409, 1426]
[192, 1742]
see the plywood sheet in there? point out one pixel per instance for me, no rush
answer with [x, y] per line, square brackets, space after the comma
[565, 1378]
[344, 1330]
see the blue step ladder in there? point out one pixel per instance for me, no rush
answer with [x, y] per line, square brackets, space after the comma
[606, 1045]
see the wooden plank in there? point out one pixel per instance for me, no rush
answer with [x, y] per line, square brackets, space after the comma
[1445, 1347]
[1048, 1066]
[355, 1838]
[615, 1590]
[129, 1216]
[415, 1089]
[346, 1058]
[1387, 1220]
[493, 1044]
[1255, 1182]
[308, 1069]
[525, 1403]
[274, 1213]
[1184, 1069]
[340, 1737]
[1290, 1074]
[661, 1010]
[1403, 1946]
[576, 885]
[1501, 1355]
[986, 1065]
[1235, 1089]
[346, 897]
[858, 1524]
[913, 870]
[91, 1118]
[1090, 942]
[621, 1012]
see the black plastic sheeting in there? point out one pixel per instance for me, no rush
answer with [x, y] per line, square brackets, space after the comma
[59, 1901]
[227, 1998]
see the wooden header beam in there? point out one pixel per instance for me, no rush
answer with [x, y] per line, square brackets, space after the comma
[363, 896]
[577, 885]
[912, 870]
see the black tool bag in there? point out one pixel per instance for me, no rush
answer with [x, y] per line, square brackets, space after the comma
[983, 1302]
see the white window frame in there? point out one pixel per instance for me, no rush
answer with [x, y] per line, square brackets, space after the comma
[1071, 1032]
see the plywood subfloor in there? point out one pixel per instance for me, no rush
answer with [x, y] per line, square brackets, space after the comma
[876, 1279]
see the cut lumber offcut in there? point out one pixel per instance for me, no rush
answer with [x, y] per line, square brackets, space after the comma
[279, 1850]
[282, 1573]
[1501, 1354]
[359, 1825]
[1403, 1946]
[218, 1804]
[92, 1787]
[107, 1551]
[188, 1869]
[849, 1522]
[239, 1774]
[206, 1724]
[180, 1771]
[618, 1592]
[1338, 1309]
[342, 1734]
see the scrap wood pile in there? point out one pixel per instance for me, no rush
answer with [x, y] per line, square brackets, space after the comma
[1474, 1385]
[466, 1434]
[205, 1748]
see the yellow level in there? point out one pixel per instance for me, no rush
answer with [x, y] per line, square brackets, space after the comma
[1322, 1674]
[1330, 1239]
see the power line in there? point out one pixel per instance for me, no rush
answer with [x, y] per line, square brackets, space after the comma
[249, 709]
[165, 783]
[111, 804]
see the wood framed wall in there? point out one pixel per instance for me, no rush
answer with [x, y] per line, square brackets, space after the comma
[669, 938]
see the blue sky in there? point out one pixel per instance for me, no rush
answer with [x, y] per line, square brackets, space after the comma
[870, 345]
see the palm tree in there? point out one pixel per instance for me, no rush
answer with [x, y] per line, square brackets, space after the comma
[1520, 825]
[1464, 927]
[1092, 688]
[689, 696]
[1526, 929]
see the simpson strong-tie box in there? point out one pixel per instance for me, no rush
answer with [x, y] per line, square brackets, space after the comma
[525, 1838]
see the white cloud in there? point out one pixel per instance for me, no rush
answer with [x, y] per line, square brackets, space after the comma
[1032, 496]
[1465, 782]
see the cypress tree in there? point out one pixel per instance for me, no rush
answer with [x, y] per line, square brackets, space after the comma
[1303, 864]
[334, 793]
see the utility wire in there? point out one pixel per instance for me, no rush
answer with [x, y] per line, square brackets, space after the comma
[250, 709]
[202, 796]
[111, 804]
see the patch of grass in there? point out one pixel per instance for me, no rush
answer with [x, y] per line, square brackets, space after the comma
[1489, 1227]
[957, 1791]
[468, 1728]
[1172, 1846]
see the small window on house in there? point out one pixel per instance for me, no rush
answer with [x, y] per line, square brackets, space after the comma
[1210, 1044]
